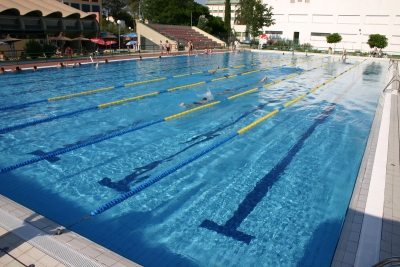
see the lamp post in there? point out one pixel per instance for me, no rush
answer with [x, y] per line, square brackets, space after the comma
[190, 18]
[119, 34]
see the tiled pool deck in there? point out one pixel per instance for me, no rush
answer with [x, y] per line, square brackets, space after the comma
[30, 239]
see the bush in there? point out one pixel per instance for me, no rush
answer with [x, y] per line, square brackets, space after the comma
[33, 49]
[49, 49]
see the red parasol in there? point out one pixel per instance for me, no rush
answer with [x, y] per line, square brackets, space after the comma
[110, 42]
[98, 41]
[264, 36]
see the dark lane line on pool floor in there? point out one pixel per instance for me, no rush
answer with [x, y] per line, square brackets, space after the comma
[180, 165]
[117, 102]
[106, 137]
[134, 178]
[265, 183]
[107, 88]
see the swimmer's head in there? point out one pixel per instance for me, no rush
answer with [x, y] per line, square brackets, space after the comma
[204, 98]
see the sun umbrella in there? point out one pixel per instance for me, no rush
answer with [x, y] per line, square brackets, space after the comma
[131, 43]
[2, 43]
[264, 36]
[110, 42]
[130, 35]
[10, 41]
[61, 38]
[98, 41]
[80, 39]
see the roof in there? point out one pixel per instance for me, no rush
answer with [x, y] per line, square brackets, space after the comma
[45, 7]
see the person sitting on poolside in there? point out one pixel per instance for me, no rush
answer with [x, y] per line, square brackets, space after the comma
[210, 51]
[203, 101]
[227, 91]
[205, 51]
[60, 65]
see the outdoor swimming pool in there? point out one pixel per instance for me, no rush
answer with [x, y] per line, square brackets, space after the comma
[275, 194]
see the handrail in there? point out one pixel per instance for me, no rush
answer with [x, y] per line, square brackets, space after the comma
[383, 263]
[391, 81]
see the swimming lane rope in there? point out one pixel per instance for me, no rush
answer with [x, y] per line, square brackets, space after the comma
[117, 102]
[94, 91]
[106, 137]
[143, 186]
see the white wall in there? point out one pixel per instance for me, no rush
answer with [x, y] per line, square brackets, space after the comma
[353, 19]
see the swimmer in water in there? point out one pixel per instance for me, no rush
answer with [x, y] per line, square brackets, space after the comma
[227, 91]
[214, 71]
[203, 101]
[263, 79]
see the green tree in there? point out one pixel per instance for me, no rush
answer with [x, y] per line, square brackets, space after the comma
[202, 25]
[227, 16]
[113, 8]
[377, 40]
[49, 49]
[333, 38]
[33, 49]
[175, 12]
[255, 15]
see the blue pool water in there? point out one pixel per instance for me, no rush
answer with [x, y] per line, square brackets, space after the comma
[275, 195]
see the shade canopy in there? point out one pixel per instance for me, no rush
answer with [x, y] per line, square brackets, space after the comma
[110, 42]
[264, 36]
[130, 35]
[98, 41]
[81, 38]
[10, 40]
[131, 43]
[60, 37]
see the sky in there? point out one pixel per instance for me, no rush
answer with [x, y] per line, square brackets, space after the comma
[201, 2]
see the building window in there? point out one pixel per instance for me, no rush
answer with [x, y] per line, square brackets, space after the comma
[299, 1]
[319, 34]
[85, 8]
[307, 1]
[74, 5]
[292, 1]
[85, 0]
[95, 1]
[95, 8]
[274, 32]
[66, 3]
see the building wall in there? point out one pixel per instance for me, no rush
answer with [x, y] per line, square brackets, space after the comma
[89, 6]
[354, 20]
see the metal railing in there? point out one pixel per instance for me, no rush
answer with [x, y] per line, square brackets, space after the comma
[394, 261]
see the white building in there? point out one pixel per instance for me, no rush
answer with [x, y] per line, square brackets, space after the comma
[309, 21]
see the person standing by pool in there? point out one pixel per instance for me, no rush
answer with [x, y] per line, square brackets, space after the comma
[344, 55]
[161, 47]
[168, 47]
[190, 47]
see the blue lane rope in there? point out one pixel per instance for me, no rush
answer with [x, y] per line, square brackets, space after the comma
[120, 86]
[68, 149]
[143, 186]
[62, 151]
[30, 123]
[26, 124]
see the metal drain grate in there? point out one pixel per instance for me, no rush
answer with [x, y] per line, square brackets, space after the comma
[45, 242]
